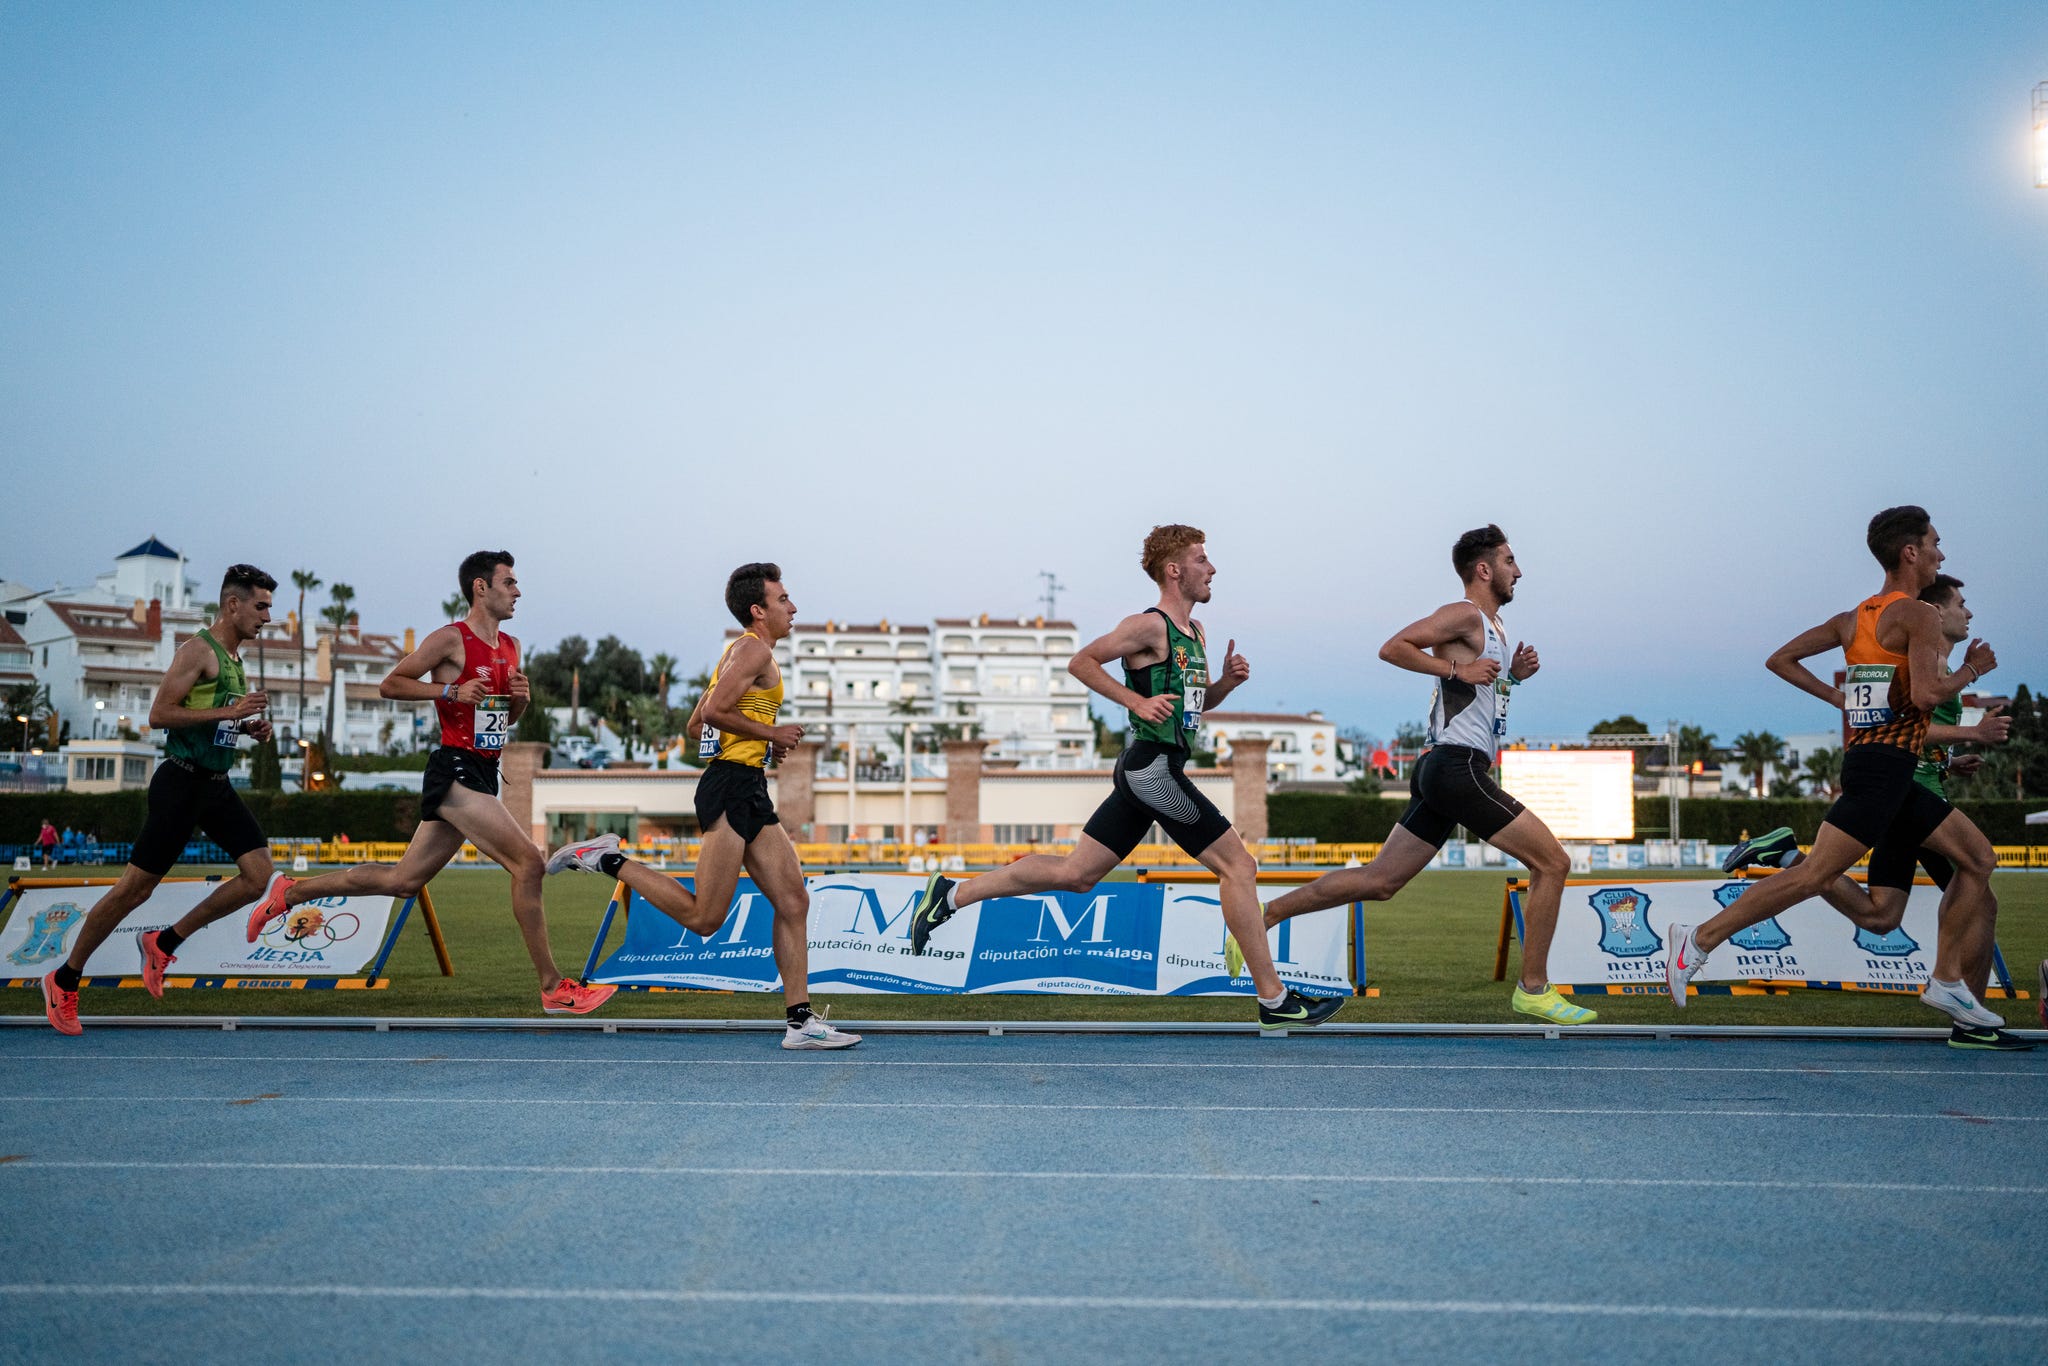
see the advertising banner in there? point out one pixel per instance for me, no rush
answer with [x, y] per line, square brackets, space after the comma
[330, 937]
[1121, 939]
[1613, 936]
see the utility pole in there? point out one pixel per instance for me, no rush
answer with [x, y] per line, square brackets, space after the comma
[1051, 596]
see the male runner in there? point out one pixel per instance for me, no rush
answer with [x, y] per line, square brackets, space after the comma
[1465, 648]
[1893, 644]
[1882, 907]
[1166, 688]
[735, 725]
[204, 707]
[478, 691]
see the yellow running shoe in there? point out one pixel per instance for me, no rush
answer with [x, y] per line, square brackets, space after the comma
[1233, 956]
[1548, 1005]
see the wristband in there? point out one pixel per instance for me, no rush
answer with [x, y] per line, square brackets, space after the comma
[1974, 675]
[447, 691]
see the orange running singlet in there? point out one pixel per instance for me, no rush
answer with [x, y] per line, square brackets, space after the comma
[1877, 697]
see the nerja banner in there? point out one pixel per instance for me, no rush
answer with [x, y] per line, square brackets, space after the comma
[1121, 939]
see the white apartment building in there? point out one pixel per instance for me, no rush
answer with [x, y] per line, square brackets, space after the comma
[102, 650]
[1006, 677]
[1304, 748]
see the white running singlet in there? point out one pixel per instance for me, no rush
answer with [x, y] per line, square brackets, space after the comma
[1461, 714]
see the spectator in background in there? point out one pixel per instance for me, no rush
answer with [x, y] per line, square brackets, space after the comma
[47, 839]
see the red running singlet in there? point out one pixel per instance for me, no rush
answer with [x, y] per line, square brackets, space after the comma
[485, 727]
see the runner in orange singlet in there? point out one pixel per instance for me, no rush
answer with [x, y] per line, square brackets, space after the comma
[1894, 647]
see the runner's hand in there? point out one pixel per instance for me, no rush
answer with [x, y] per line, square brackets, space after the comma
[1480, 673]
[786, 736]
[1236, 668]
[260, 730]
[1154, 709]
[522, 691]
[1963, 765]
[1980, 659]
[472, 692]
[248, 705]
[779, 752]
[1991, 728]
[1526, 662]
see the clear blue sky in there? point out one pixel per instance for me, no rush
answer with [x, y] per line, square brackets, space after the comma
[919, 300]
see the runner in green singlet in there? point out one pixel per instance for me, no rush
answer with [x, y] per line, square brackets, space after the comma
[204, 707]
[1166, 688]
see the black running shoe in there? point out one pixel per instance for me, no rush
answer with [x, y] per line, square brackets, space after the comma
[1992, 1040]
[1299, 1011]
[1768, 849]
[932, 911]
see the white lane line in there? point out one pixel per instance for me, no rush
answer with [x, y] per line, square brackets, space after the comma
[1172, 1304]
[971, 1174]
[299, 1060]
[801, 1104]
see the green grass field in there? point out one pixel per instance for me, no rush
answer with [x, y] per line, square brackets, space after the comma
[1430, 954]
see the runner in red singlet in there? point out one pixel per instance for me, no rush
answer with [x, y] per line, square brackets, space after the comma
[479, 694]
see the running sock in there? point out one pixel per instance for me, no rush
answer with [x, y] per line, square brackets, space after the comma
[67, 976]
[951, 904]
[168, 939]
[1276, 1002]
[609, 864]
[797, 1014]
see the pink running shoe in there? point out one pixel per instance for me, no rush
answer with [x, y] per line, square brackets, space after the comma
[571, 997]
[61, 1006]
[154, 961]
[271, 906]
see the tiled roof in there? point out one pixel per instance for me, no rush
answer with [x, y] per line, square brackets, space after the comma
[152, 546]
[90, 621]
[8, 635]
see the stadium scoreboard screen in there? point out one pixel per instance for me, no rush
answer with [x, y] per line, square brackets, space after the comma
[1581, 794]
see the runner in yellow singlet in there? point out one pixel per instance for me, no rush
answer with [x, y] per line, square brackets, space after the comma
[736, 735]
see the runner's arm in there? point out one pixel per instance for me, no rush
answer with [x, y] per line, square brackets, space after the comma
[1409, 648]
[168, 710]
[721, 706]
[1991, 729]
[1788, 660]
[1134, 635]
[408, 680]
[1236, 669]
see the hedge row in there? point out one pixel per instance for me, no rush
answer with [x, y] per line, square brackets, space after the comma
[1338, 818]
[117, 816]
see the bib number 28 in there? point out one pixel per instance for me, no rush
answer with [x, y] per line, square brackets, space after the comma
[493, 722]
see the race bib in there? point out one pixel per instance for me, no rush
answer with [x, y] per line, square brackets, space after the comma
[1501, 687]
[707, 743]
[1867, 695]
[1191, 698]
[493, 721]
[226, 733]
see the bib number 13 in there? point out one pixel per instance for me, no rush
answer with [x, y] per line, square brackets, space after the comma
[1867, 695]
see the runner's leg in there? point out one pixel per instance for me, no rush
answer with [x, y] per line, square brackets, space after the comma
[1090, 862]
[1835, 852]
[1403, 856]
[1527, 839]
[719, 856]
[253, 875]
[131, 890]
[1237, 879]
[771, 861]
[1969, 909]
[485, 822]
[433, 844]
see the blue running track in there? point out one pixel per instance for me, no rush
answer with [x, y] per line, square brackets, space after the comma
[294, 1195]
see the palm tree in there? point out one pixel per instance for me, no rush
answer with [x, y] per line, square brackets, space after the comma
[338, 612]
[1695, 746]
[1824, 771]
[663, 667]
[455, 608]
[302, 579]
[1758, 752]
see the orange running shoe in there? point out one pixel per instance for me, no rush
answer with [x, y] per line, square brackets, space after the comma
[271, 906]
[60, 1005]
[571, 997]
[154, 961]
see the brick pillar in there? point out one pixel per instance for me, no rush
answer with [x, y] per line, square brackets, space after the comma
[1248, 787]
[796, 789]
[515, 785]
[963, 791]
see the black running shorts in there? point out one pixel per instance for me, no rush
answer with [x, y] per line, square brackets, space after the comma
[446, 769]
[182, 798]
[1453, 786]
[1151, 785]
[1883, 809]
[1892, 866]
[738, 792]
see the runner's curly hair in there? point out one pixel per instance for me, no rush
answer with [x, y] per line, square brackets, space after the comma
[1163, 545]
[748, 589]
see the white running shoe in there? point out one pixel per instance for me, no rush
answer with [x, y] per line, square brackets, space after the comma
[1956, 1001]
[583, 857]
[1682, 959]
[818, 1033]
